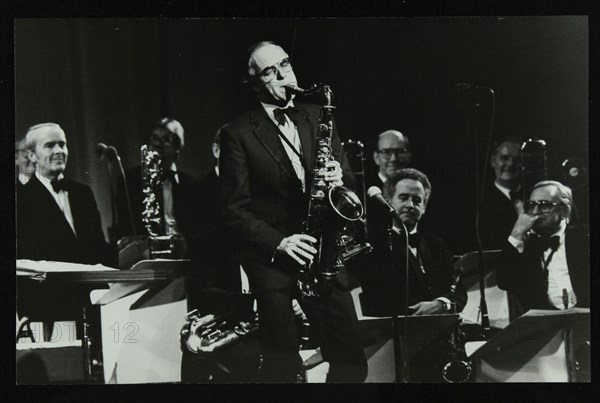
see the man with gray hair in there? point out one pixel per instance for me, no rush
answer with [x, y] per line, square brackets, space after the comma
[266, 167]
[427, 280]
[543, 262]
[24, 168]
[57, 220]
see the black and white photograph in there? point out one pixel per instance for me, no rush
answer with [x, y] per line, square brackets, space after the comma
[302, 200]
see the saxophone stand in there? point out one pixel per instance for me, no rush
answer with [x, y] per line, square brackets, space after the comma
[399, 335]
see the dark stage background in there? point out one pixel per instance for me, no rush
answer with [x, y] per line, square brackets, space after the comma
[109, 80]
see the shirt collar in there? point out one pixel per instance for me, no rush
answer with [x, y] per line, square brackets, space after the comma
[46, 182]
[174, 169]
[383, 178]
[505, 191]
[24, 178]
[217, 170]
[269, 108]
[399, 230]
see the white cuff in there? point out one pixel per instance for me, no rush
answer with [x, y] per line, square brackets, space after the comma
[518, 245]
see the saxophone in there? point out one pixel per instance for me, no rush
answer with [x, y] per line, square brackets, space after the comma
[329, 206]
[204, 335]
[161, 241]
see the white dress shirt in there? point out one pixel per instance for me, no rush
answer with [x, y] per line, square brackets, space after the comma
[290, 131]
[558, 270]
[61, 198]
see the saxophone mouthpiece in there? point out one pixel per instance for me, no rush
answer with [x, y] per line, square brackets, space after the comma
[300, 91]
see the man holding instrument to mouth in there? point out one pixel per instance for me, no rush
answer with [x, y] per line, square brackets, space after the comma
[267, 156]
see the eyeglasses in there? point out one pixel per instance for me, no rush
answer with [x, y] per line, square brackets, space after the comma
[544, 205]
[269, 73]
[387, 152]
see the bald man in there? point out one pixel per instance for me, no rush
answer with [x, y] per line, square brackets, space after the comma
[392, 153]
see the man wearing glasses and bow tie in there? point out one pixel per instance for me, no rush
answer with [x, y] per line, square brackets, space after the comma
[266, 163]
[544, 263]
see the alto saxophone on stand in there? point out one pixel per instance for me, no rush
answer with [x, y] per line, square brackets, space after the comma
[161, 240]
[329, 206]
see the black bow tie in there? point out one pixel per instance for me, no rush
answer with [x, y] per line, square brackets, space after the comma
[58, 185]
[413, 239]
[546, 243]
[279, 113]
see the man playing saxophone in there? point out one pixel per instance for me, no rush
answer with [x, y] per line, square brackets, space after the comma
[267, 155]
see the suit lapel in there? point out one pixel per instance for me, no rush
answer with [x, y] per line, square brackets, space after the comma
[265, 132]
[47, 206]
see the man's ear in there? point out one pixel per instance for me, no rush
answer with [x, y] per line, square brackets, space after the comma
[31, 156]
[376, 158]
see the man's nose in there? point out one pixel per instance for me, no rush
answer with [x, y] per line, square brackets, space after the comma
[280, 73]
[409, 203]
[58, 149]
[393, 157]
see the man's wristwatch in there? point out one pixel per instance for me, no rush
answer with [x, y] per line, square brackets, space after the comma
[447, 307]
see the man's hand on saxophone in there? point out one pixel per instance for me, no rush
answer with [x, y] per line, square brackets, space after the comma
[333, 173]
[298, 247]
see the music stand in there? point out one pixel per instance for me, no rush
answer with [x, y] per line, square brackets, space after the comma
[536, 347]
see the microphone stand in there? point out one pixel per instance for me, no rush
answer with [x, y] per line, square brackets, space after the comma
[112, 231]
[479, 189]
[400, 352]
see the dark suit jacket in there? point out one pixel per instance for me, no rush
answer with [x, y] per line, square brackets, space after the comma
[384, 284]
[43, 233]
[522, 274]
[497, 217]
[218, 259]
[262, 197]
[186, 197]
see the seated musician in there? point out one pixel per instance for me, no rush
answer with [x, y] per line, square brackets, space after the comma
[430, 271]
[544, 263]
[57, 220]
[430, 267]
[180, 190]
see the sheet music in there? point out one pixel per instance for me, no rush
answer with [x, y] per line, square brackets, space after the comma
[34, 268]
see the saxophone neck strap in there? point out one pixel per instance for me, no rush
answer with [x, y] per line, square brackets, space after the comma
[289, 143]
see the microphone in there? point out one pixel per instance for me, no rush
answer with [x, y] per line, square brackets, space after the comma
[100, 149]
[374, 193]
[111, 153]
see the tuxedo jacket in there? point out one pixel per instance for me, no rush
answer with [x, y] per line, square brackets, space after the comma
[497, 217]
[384, 280]
[218, 259]
[262, 197]
[186, 196]
[43, 233]
[523, 275]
